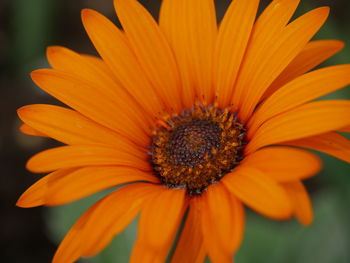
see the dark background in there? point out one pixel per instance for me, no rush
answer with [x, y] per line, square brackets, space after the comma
[27, 27]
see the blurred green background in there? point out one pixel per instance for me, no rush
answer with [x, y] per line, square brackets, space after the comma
[27, 27]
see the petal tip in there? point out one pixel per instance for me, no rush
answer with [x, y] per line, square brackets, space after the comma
[324, 10]
[38, 73]
[87, 13]
[25, 201]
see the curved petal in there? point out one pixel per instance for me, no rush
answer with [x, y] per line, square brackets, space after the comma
[68, 185]
[303, 89]
[90, 180]
[143, 253]
[191, 29]
[314, 53]
[259, 192]
[307, 120]
[81, 95]
[264, 63]
[112, 215]
[113, 47]
[330, 143]
[69, 249]
[26, 129]
[160, 217]
[190, 248]
[300, 200]
[70, 127]
[158, 224]
[84, 155]
[234, 33]
[284, 163]
[222, 222]
[270, 23]
[152, 50]
[94, 70]
[35, 195]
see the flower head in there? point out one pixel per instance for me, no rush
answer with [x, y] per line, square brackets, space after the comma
[192, 117]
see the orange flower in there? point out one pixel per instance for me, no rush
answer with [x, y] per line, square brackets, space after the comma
[192, 117]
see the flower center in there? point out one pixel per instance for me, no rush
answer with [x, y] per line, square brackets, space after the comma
[197, 148]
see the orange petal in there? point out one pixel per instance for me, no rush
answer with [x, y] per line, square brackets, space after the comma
[78, 94]
[216, 253]
[142, 253]
[159, 222]
[161, 216]
[89, 180]
[112, 215]
[96, 71]
[270, 23]
[259, 192]
[268, 60]
[314, 53]
[222, 222]
[284, 163]
[26, 129]
[190, 27]
[152, 50]
[303, 89]
[345, 129]
[113, 47]
[330, 143]
[71, 127]
[190, 248]
[307, 120]
[69, 250]
[300, 200]
[234, 33]
[36, 194]
[84, 155]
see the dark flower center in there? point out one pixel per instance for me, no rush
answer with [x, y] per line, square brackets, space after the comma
[197, 148]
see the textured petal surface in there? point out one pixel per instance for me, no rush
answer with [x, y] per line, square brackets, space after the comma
[259, 192]
[69, 249]
[95, 70]
[303, 89]
[330, 143]
[70, 127]
[284, 163]
[190, 248]
[307, 120]
[190, 27]
[152, 50]
[89, 180]
[76, 93]
[69, 185]
[221, 239]
[234, 33]
[113, 47]
[112, 215]
[159, 222]
[160, 217]
[84, 155]
[300, 200]
[271, 56]
[36, 194]
[266, 29]
[314, 53]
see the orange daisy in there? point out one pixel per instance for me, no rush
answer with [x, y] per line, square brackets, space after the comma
[193, 119]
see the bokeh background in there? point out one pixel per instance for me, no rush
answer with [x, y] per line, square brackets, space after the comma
[27, 27]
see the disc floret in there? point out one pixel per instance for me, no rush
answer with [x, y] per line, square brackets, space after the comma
[197, 147]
